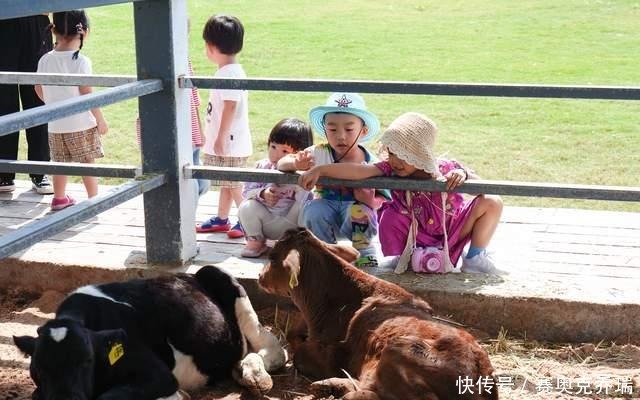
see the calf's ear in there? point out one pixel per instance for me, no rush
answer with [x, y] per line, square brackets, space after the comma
[108, 336]
[292, 263]
[347, 253]
[26, 344]
[109, 345]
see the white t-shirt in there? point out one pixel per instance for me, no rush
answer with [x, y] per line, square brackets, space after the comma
[62, 62]
[323, 155]
[239, 144]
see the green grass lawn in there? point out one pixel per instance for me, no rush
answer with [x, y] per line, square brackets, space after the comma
[581, 42]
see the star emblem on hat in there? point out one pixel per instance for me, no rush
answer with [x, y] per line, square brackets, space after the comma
[343, 101]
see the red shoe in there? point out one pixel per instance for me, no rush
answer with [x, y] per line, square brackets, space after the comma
[58, 204]
[214, 224]
[236, 232]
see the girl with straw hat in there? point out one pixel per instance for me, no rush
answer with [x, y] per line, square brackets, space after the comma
[424, 219]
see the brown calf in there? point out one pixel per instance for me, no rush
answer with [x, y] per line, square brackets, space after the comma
[368, 338]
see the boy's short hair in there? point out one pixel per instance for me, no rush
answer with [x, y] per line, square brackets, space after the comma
[292, 131]
[225, 32]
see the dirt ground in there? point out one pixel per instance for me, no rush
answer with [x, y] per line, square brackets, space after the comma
[525, 369]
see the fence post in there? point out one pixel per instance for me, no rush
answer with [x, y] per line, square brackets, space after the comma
[161, 51]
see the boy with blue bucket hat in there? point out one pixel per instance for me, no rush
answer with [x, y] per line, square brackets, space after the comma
[338, 211]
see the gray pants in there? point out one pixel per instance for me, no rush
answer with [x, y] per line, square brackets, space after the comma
[259, 223]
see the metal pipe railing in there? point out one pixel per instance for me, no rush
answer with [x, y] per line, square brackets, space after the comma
[38, 78]
[73, 169]
[323, 85]
[57, 222]
[24, 8]
[420, 88]
[504, 188]
[43, 114]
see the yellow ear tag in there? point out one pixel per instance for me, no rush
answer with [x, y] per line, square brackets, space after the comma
[116, 353]
[293, 281]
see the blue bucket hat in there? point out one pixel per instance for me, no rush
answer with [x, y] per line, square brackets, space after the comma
[350, 103]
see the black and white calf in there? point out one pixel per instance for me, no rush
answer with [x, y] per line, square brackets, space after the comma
[147, 338]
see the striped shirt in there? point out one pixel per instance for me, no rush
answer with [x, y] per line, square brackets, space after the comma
[194, 104]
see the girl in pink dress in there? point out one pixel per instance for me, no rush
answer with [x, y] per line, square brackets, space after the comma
[409, 143]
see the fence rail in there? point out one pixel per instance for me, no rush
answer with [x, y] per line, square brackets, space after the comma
[504, 188]
[323, 85]
[424, 88]
[24, 8]
[34, 78]
[38, 230]
[74, 169]
[43, 114]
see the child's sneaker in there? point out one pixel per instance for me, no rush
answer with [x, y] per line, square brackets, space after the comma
[7, 186]
[58, 204]
[254, 248]
[214, 224]
[366, 261]
[389, 262]
[42, 185]
[236, 232]
[479, 264]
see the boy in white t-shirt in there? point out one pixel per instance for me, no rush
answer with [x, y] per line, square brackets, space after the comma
[228, 139]
[338, 211]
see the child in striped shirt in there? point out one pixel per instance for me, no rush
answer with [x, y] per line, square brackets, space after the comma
[197, 138]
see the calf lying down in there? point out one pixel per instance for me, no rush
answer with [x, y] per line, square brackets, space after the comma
[367, 338]
[146, 338]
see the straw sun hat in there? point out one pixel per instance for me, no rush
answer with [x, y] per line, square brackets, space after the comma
[349, 103]
[412, 137]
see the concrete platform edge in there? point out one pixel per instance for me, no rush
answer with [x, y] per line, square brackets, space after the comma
[553, 320]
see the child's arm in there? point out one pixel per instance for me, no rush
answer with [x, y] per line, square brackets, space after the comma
[251, 190]
[339, 171]
[259, 190]
[228, 111]
[102, 123]
[38, 89]
[300, 161]
[287, 163]
[456, 174]
[301, 197]
[369, 197]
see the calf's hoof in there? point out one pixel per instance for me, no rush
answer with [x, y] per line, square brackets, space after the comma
[179, 395]
[252, 374]
[336, 387]
[361, 395]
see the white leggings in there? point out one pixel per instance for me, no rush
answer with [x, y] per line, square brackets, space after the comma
[259, 223]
